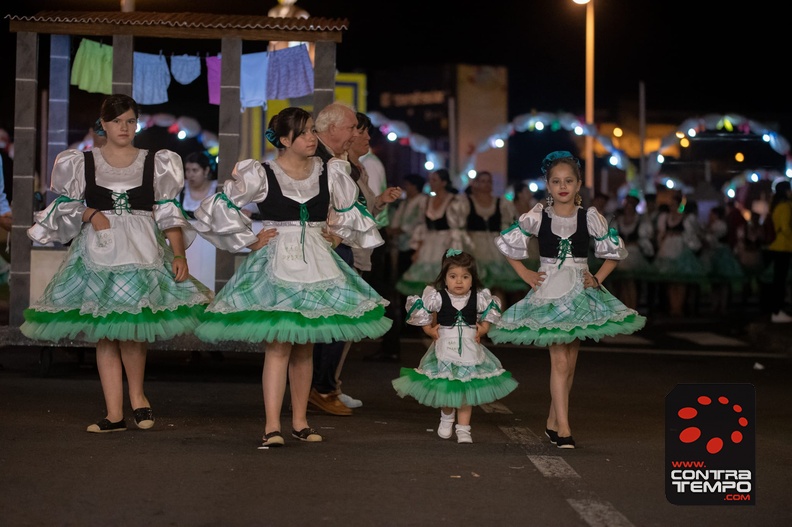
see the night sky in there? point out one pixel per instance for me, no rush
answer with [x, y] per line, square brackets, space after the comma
[692, 62]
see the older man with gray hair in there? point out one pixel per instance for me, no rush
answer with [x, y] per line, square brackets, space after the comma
[336, 126]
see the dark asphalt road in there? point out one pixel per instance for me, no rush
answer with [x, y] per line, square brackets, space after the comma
[200, 465]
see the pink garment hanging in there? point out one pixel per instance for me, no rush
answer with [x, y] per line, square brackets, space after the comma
[213, 75]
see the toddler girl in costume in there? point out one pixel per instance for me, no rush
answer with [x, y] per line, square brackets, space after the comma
[457, 372]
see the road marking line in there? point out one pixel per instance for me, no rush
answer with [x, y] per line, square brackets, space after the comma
[554, 467]
[593, 511]
[599, 513]
[707, 338]
[496, 407]
[521, 435]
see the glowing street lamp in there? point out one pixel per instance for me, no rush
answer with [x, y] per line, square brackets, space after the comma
[589, 144]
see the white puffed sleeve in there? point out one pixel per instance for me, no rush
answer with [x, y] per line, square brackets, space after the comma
[419, 232]
[421, 309]
[62, 219]
[347, 217]
[219, 218]
[513, 241]
[645, 237]
[607, 242]
[488, 307]
[168, 183]
[691, 232]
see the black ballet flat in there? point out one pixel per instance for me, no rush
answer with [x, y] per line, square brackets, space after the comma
[144, 418]
[106, 426]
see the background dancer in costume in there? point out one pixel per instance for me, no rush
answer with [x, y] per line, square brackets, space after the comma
[677, 264]
[442, 228]
[457, 372]
[566, 302]
[120, 285]
[637, 232]
[293, 289]
[487, 216]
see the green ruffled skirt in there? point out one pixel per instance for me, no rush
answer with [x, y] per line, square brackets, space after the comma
[446, 384]
[143, 305]
[256, 306]
[584, 314]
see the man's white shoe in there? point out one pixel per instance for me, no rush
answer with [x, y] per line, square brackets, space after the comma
[780, 317]
[349, 402]
[463, 434]
[446, 426]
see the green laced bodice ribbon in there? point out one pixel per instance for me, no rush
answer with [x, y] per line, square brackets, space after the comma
[304, 217]
[459, 321]
[121, 203]
[564, 250]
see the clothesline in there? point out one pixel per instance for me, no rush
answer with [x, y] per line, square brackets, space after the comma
[267, 75]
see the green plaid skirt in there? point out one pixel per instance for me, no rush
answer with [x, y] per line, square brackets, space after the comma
[258, 306]
[143, 305]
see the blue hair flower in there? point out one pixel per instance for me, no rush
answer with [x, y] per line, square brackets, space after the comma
[550, 158]
[273, 138]
[452, 252]
[99, 129]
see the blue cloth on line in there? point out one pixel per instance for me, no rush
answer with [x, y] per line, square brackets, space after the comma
[253, 80]
[150, 78]
[185, 68]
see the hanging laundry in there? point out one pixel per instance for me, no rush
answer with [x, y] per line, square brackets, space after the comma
[92, 69]
[253, 80]
[213, 73]
[185, 68]
[150, 78]
[290, 73]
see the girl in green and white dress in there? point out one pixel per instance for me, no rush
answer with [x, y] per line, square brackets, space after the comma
[566, 303]
[120, 285]
[457, 372]
[292, 290]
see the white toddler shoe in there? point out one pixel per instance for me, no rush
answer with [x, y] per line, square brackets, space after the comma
[446, 426]
[463, 434]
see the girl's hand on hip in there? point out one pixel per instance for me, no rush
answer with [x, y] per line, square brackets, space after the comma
[264, 236]
[180, 269]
